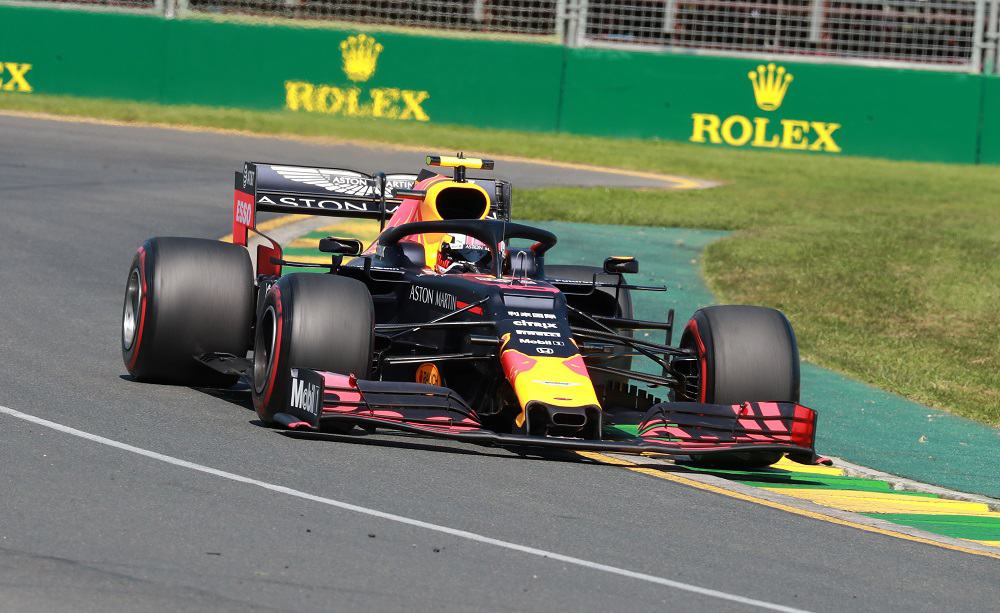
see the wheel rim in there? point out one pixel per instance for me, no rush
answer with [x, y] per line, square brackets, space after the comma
[130, 314]
[263, 349]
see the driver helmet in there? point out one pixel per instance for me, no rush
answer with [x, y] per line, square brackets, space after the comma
[460, 253]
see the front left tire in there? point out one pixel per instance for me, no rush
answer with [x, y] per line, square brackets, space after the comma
[185, 297]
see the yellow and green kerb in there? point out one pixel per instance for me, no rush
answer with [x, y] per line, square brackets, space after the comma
[831, 487]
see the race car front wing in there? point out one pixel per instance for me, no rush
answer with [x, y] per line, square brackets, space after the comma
[670, 428]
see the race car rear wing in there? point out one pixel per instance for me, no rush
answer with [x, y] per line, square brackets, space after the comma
[334, 192]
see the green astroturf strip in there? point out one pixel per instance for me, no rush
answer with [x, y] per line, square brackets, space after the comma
[786, 479]
[777, 478]
[842, 484]
[816, 482]
[287, 270]
[629, 429]
[955, 526]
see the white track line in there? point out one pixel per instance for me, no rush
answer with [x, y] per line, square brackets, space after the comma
[472, 536]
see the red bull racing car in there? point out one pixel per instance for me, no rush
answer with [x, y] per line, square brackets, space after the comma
[450, 324]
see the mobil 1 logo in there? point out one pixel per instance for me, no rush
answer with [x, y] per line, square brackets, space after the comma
[539, 331]
[305, 396]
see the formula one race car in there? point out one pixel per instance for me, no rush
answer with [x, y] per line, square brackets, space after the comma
[442, 326]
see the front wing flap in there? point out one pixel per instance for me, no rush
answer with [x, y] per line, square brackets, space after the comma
[671, 428]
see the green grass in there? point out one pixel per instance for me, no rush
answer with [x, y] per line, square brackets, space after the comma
[889, 271]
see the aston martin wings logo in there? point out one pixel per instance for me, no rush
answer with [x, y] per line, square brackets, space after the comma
[339, 181]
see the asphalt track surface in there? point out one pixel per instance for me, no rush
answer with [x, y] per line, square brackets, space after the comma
[89, 527]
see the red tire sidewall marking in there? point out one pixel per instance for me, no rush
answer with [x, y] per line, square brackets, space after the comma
[702, 361]
[144, 298]
[273, 375]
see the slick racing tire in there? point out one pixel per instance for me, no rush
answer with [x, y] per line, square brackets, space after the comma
[308, 320]
[745, 353]
[185, 297]
[601, 304]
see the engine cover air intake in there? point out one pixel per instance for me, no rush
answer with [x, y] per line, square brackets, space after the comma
[453, 200]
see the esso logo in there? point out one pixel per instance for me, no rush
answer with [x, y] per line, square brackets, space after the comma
[544, 350]
[244, 213]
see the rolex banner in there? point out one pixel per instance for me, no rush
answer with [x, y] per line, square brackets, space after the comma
[761, 105]
[353, 74]
[365, 74]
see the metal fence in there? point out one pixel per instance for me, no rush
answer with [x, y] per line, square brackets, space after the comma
[926, 33]
[957, 35]
[532, 17]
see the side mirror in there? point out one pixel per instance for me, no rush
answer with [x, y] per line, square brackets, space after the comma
[621, 265]
[341, 246]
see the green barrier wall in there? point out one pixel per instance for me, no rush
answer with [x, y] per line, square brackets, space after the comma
[826, 109]
[989, 145]
[392, 76]
[833, 109]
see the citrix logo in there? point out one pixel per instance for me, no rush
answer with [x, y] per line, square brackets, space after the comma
[534, 324]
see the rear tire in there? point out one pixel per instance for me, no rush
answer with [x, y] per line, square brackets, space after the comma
[602, 304]
[745, 353]
[318, 321]
[185, 297]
